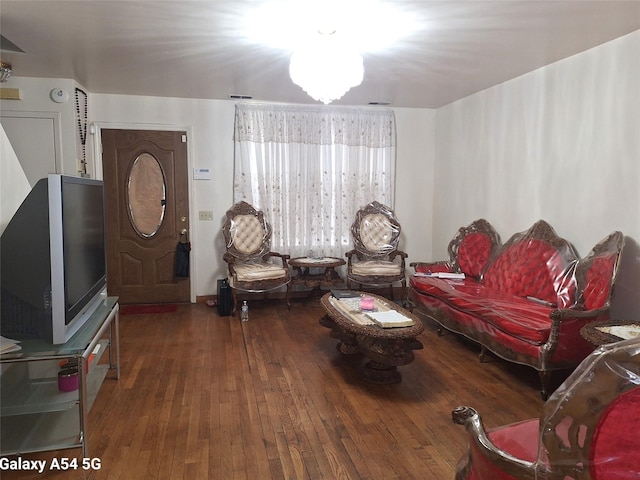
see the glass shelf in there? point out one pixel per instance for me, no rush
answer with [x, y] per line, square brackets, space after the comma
[40, 395]
[35, 415]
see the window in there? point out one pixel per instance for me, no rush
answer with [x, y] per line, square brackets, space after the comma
[311, 168]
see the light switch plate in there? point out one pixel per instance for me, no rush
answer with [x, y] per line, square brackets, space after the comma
[205, 215]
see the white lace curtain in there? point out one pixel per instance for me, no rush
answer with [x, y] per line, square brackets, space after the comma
[311, 168]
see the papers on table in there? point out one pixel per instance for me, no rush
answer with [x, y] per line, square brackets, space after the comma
[9, 345]
[624, 332]
[448, 275]
[389, 319]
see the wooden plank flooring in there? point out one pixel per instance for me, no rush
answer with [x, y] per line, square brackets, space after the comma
[209, 397]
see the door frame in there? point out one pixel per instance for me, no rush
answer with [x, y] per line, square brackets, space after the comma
[96, 132]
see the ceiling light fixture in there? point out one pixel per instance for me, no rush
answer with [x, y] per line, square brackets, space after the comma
[327, 38]
[326, 68]
[5, 71]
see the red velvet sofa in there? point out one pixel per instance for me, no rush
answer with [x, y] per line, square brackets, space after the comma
[525, 300]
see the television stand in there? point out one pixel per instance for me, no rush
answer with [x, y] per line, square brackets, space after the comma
[35, 416]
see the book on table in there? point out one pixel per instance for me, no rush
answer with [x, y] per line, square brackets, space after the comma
[9, 345]
[339, 294]
[389, 319]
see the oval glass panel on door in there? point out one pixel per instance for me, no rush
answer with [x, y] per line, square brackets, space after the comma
[146, 192]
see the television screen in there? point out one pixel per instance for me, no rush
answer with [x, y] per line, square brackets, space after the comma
[84, 242]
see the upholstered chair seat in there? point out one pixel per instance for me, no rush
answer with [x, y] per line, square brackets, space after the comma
[257, 271]
[376, 267]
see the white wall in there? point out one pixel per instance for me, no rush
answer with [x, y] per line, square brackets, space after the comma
[210, 123]
[13, 182]
[35, 98]
[415, 131]
[562, 144]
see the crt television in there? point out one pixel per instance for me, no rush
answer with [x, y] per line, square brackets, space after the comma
[53, 260]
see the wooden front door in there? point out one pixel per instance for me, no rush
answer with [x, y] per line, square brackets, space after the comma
[147, 214]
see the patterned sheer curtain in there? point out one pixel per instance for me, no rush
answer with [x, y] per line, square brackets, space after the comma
[310, 168]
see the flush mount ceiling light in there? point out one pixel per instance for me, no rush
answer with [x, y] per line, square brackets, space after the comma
[328, 38]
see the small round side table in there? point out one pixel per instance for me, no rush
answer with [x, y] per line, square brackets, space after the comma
[592, 334]
[304, 276]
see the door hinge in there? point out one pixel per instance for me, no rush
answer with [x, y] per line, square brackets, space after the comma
[184, 139]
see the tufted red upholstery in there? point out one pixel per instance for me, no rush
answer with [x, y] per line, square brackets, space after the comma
[615, 448]
[598, 287]
[474, 253]
[530, 268]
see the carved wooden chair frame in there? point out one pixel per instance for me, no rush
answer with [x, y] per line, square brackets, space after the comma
[361, 252]
[235, 256]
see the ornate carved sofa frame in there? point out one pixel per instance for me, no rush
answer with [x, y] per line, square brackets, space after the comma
[525, 300]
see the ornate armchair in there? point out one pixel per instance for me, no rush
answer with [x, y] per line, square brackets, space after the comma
[252, 264]
[588, 429]
[375, 259]
[469, 251]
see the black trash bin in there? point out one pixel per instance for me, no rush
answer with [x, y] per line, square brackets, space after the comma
[225, 301]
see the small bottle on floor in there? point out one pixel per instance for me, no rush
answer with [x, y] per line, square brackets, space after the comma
[244, 312]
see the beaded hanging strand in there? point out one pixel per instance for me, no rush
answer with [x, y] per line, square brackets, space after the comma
[82, 126]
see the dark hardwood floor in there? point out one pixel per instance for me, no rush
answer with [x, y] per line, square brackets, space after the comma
[208, 397]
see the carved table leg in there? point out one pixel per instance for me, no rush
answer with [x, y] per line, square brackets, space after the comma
[380, 374]
[385, 356]
[348, 344]
[347, 348]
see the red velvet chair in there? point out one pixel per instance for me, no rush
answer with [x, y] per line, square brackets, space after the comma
[589, 428]
[469, 251]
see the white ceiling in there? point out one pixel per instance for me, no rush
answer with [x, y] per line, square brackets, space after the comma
[196, 49]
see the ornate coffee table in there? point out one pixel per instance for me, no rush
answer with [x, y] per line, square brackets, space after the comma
[386, 348]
